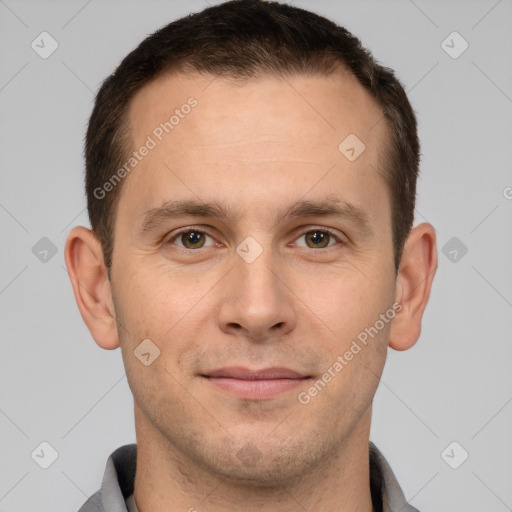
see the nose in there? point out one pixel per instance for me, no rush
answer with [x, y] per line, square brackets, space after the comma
[256, 301]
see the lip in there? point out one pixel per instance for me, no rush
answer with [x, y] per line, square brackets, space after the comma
[255, 384]
[238, 372]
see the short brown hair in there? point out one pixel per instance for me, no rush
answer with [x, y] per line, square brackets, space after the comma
[241, 39]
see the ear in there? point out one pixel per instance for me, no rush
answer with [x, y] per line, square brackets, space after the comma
[88, 274]
[414, 282]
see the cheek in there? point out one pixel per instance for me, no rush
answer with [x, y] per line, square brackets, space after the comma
[355, 362]
[158, 304]
[347, 303]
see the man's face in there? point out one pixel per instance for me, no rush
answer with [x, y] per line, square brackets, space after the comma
[253, 289]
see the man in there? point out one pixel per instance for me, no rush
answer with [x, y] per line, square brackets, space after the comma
[251, 180]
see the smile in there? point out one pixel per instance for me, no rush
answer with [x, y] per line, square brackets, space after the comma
[255, 384]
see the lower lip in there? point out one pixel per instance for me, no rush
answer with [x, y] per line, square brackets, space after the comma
[255, 389]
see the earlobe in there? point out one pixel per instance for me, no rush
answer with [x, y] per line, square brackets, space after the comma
[414, 282]
[88, 275]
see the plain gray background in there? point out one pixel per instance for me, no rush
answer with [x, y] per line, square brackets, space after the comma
[57, 386]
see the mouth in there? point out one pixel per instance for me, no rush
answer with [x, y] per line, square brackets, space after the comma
[255, 384]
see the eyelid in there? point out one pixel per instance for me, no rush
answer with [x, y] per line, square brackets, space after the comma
[300, 232]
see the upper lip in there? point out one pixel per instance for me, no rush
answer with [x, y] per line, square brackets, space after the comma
[237, 372]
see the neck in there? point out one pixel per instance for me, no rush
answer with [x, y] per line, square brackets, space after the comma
[170, 480]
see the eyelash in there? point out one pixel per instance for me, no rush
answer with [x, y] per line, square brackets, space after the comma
[190, 229]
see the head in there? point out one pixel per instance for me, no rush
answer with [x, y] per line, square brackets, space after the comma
[251, 177]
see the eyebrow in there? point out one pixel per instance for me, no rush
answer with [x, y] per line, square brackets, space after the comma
[155, 217]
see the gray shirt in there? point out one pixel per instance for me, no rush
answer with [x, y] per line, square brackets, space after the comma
[116, 493]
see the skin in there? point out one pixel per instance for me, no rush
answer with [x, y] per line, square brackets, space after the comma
[253, 148]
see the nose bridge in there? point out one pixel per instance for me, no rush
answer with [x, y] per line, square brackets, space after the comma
[256, 298]
[256, 269]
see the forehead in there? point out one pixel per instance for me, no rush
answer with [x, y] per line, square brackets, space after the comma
[216, 138]
[330, 105]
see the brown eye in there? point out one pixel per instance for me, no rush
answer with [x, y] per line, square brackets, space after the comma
[189, 239]
[318, 239]
[194, 238]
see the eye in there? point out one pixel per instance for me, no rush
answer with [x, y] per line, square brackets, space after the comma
[189, 238]
[319, 238]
